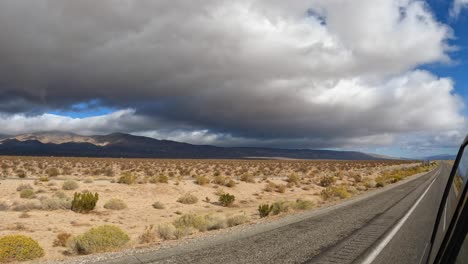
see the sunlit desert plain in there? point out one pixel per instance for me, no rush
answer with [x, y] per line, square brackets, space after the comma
[156, 200]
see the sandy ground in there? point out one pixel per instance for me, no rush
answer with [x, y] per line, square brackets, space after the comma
[44, 226]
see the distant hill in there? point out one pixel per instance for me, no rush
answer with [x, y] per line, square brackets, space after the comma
[130, 146]
[441, 157]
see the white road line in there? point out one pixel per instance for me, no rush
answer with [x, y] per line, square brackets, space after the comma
[376, 251]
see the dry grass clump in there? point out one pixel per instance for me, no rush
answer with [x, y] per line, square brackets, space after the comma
[301, 204]
[269, 187]
[26, 206]
[327, 181]
[293, 179]
[148, 236]
[52, 172]
[167, 231]
[88, 180]
[60, 195]
[246, 177]
[188, 198]
[127, 178]
[279, 207]
[335, 192]
[159, 179]
[202, 180]
[100, 239]
[61, 240]
[191, 221]
[237, 220]
[70, 185]
[115, 204]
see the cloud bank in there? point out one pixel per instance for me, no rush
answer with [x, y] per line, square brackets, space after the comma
[318, 73]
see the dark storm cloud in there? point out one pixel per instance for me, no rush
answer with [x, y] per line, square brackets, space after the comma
[260, 72]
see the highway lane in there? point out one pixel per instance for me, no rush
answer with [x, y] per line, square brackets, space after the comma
[345, 234]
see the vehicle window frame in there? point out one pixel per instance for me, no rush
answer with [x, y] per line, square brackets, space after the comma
[439, 253]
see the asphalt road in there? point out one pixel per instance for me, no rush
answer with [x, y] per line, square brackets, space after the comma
[347, 233]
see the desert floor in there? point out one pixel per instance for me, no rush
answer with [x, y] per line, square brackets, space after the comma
[252, 182]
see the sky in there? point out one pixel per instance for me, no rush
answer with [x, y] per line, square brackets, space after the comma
[381, 76]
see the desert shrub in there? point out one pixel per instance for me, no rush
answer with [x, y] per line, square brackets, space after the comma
[23, 186]
[264, 210]
[19, 248]
[192, 220]
[60, 195]
[188, 198]
[293, 178]
[270, 187]
[219, 179]
[61, 240]
[84, 202]
[279, 207]
[159, 179]
[100, 239]
[27, 206]
[281, 188]
[227, 199]
[115, 204]
[303, 204]
[215, 222]
[370, 183]
[44, 179]
[247, 178]
[21, 173]
[230, 183]
[237, 220]
[327, 181]
[70, 185]
[335, 192]
[148, 236]
[55, 204]
[181, 232]
[202, 180]
[127, 178]
[52, 172]
[166, 231]
[356, 177]
[27, 194]
[380, 184]
[158, 205]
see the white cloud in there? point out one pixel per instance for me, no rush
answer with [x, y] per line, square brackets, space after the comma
[458, 5]
[232, 72]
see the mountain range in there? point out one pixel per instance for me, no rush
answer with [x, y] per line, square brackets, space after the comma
[131, 146]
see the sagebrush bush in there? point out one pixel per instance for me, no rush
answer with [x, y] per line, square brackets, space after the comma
[19, 248]
[55, 204]
[158, 205]
[188, 199]
[192, 220]
[70, 185]
[264, 210]
[27, 194]
[84, 202]
[166, 231]
[115, 204]
[227, 199]
[127, 178]
[100, 239]
[237, 220]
